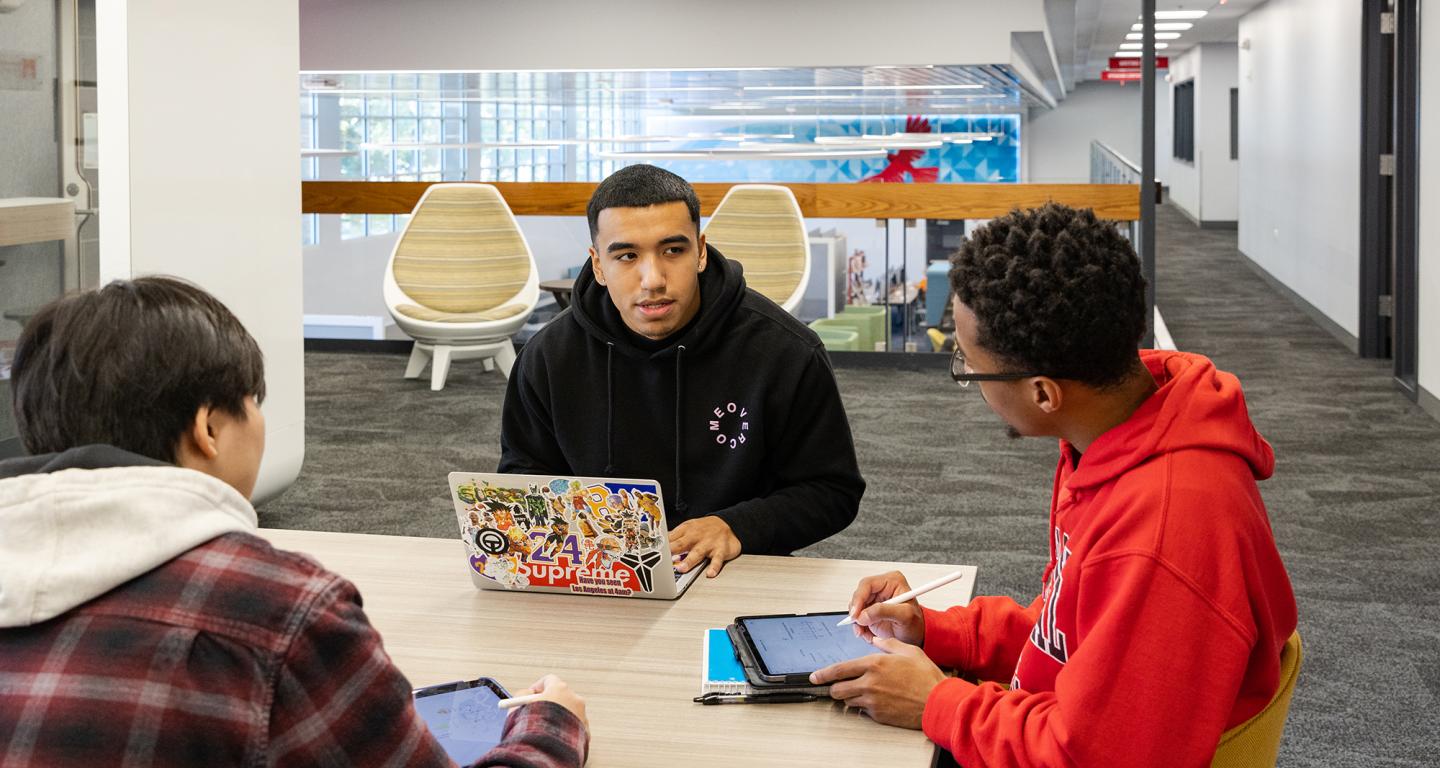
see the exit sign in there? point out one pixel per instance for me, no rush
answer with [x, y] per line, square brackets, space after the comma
[1161, 62]
[1122, 75]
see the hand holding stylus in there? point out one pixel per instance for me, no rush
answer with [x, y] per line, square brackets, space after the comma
[550, 688]
[885, 606]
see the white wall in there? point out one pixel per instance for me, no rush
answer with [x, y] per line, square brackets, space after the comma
[584, 34]
[1299, 190]
[1059, 139]
[1207, 188]
[211, 200]
[1219, 175]
[1429, 331]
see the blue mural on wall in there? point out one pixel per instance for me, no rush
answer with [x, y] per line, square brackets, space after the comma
[996, 160]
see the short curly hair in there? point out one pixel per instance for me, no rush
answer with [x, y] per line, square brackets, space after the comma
[1056, 291]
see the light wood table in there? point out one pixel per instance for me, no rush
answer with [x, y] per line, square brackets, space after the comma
[636, 662]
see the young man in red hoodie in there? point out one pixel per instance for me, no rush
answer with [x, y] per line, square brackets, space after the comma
[1165, 604]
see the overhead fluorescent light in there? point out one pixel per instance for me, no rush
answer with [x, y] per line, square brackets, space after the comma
[905, 140]
[741, 137]
[942, 87]
[825, 97]
[534, 71]
[1158, 36]
[1180, 14]
[1170, 26]
[548, 144]
[746, 154]
[791, 146]
[1139, 46]
[646, 88]
[882, 97]
[629, 139]
[1127, 54]
[321, 84]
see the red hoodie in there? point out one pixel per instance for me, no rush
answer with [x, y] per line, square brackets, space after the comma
[1165, 603]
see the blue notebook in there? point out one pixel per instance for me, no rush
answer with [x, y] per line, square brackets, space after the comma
[720, 669]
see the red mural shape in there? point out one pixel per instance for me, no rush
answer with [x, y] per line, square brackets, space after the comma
[902, 162]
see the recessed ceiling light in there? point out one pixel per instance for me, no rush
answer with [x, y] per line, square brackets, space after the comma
[1178, 15]
[1127, 54]
[1171, 26]
[1158, 36]
[1138, 46]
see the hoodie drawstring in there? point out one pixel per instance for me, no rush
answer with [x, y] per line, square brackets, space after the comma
[609, 408]
[680, 506]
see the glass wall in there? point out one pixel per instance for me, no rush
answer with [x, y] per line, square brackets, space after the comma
[39, 255]
[945, 125]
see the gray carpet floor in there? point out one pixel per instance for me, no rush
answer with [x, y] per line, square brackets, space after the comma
[1354, 501]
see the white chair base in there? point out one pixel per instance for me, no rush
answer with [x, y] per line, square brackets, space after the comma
[497, 354]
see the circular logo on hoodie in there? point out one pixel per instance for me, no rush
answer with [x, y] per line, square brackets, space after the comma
[730, 424]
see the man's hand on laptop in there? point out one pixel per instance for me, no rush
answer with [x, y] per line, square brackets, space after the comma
[701, 539]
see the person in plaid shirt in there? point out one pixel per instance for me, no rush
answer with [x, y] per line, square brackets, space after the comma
[142, 622]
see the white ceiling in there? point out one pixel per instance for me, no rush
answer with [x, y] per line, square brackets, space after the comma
[1101, 26]
[1084, 35]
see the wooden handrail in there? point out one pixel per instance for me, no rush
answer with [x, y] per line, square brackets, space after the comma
[838, 201]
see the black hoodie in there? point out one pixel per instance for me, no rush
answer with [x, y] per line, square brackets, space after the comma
[737, 414]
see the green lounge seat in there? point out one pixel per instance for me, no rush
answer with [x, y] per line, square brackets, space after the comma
[876, 316]
[859, 325]
[838, 339]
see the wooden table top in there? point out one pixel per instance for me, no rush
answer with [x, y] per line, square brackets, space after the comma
[636, 662]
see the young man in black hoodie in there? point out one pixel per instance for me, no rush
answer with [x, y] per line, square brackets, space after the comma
[667, 367]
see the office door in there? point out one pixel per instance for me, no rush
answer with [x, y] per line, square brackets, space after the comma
[1389, 187]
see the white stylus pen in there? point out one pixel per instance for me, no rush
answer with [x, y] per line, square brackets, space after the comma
[515, 701]
[912, 594]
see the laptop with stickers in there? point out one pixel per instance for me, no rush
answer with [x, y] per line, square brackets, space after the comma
[576, 535]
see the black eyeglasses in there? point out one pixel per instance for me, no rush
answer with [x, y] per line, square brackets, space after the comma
[958, 373]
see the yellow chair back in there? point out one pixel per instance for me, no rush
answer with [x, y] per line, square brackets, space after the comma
[1256, 741]
[462, 251]
[760, 226]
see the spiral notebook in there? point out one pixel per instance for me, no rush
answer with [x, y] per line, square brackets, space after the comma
[720, 670]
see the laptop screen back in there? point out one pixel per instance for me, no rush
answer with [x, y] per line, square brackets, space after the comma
[581, 535]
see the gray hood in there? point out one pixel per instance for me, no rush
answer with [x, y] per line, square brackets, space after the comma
[70, 535]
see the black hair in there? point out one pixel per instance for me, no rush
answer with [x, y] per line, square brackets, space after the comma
[1056, 291]
[129, 365]
[640, 186]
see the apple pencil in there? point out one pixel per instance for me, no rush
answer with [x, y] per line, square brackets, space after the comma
[515, 701]
[912, 594]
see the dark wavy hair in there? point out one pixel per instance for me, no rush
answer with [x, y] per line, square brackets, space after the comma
[129, 365]
[1056, 291]
[640, 186]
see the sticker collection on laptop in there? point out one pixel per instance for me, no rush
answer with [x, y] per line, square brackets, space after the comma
[592, 537]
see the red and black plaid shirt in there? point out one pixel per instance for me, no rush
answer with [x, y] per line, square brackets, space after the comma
[234, 653]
